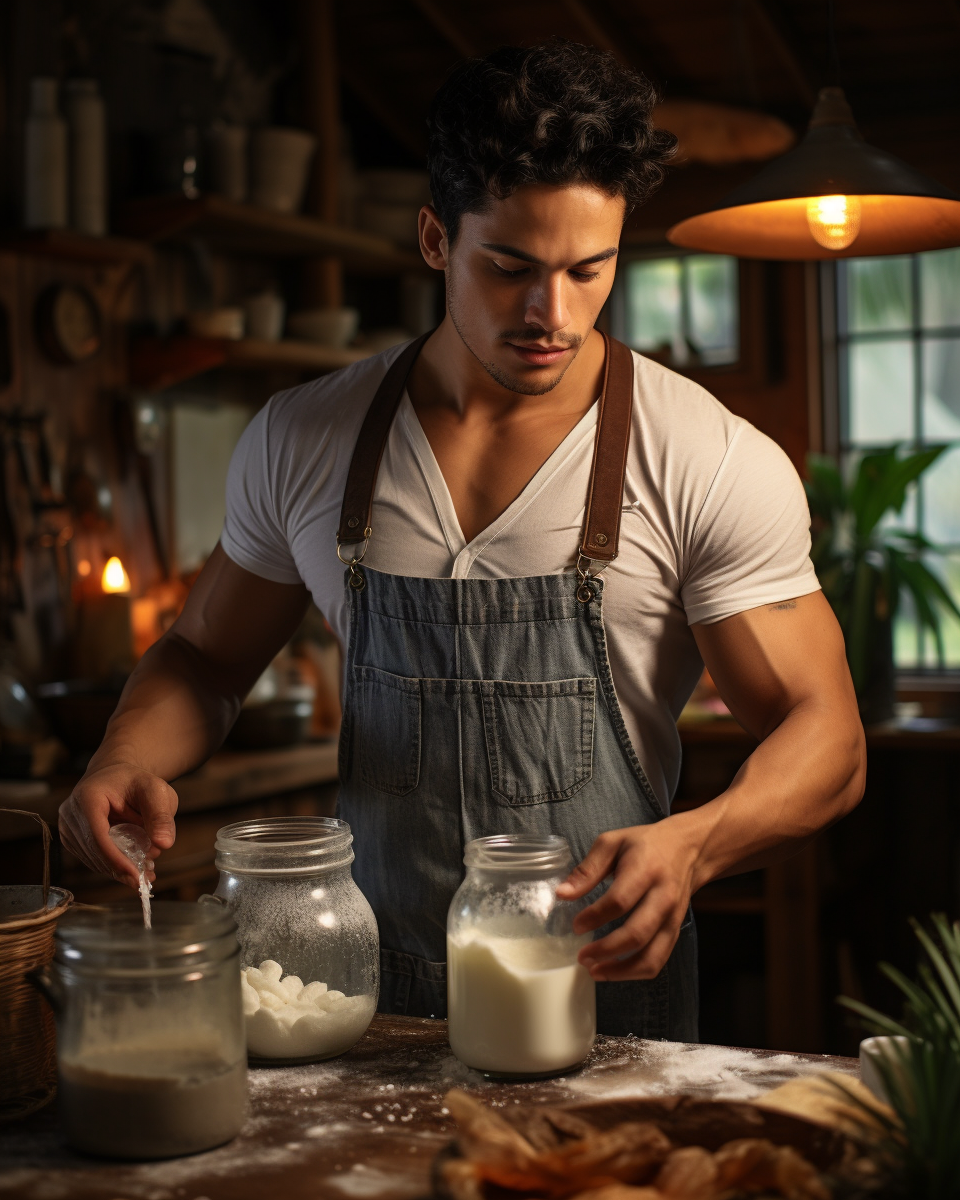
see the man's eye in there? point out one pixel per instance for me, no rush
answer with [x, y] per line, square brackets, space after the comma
[511, 274]
[585, 276]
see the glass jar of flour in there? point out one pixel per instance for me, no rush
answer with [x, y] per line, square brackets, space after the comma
[151, 1052]
[519, 1003]
[310, 953]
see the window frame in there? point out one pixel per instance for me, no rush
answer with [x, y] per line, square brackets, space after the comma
[935, 687]
[758, 353]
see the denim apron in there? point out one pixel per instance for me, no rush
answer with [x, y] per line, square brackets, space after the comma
[482, 706]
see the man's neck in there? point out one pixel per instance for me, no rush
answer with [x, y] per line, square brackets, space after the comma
[447, 374]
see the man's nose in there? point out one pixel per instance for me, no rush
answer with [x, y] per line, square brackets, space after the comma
[547, 304]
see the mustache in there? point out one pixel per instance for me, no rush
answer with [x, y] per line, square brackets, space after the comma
[522, 337]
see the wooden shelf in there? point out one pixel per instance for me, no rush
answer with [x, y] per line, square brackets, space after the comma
[157, 363]
[244, 229]
[69, 246]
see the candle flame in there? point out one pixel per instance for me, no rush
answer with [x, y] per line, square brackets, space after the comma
[115, 578]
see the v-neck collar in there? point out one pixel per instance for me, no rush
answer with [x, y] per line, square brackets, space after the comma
[463, 553]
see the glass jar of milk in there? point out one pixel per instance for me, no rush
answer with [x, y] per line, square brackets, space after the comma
[309, 947]
[151, 1053]
[519, 1003]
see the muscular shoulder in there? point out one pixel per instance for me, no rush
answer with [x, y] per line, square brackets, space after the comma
[721, 491]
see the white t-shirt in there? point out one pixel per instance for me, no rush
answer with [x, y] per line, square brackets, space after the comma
[714, 523]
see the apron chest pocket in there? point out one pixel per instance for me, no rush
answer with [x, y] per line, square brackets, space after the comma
[389, 730]
[539, 738]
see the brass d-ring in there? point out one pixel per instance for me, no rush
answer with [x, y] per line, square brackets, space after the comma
[357, 579]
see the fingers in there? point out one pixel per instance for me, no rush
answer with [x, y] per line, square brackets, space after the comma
[620, 897]
[645, 964]
[159, 807]
[640, 947]
[78, 833]
[593, 870]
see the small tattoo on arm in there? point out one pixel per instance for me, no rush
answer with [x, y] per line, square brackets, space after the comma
[783, 606]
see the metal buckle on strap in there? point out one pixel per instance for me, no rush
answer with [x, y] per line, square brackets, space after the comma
[587, 589]
[357, 580]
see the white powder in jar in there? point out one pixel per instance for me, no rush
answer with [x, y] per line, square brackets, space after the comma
[286, 1019]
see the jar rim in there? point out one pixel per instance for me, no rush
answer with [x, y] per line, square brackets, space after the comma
[519, 852]
[293, 845]
[183, 936]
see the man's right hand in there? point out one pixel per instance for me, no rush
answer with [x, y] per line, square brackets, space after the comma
[110, 796]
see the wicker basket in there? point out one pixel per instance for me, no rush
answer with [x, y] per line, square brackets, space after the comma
[28, 1042]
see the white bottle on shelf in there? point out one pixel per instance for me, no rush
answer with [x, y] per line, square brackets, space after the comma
[45, 190]
[87, 122]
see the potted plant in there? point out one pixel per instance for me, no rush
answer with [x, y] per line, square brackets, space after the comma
[865, 564]
[917, 1059]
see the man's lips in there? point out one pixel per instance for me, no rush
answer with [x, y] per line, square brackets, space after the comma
[538, 356]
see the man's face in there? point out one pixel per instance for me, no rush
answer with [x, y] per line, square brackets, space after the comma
[527, 278]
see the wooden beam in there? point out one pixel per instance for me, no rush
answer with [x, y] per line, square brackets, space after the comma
[439, 18]
[782, 40]
[386, 113]
[593, 32]
[322, 277]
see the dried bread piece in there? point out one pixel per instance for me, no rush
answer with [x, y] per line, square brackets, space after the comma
[689, 1173]
[830, 1098]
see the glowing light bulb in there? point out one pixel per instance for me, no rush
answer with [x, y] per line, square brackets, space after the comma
[114, 578]
[834, 220]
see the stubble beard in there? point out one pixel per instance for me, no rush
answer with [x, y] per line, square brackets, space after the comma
[512, 383]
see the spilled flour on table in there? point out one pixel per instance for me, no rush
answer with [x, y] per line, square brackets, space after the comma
[669, 1068]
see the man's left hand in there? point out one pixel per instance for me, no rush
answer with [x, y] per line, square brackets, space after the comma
[653, 878]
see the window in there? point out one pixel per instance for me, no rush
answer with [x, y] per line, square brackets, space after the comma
[682, 309]
[898, 347]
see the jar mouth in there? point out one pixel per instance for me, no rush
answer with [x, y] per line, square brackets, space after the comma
[519, 852]
[112, 938]
[284, 846]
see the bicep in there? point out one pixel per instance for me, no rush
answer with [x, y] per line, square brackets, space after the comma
[237, 621]
[768, 661]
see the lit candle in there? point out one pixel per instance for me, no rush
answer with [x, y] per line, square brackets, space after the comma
[105, 636]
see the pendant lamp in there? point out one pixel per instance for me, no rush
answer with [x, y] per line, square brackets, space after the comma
[834, 196]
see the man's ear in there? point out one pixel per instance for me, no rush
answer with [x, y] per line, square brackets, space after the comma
[433, 239]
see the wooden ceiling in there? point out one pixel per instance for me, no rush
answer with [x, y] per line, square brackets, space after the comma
[899, 62]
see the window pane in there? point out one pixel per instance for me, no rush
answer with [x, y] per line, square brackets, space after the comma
[948, 571]
[881, 387]
[940, 288]
[941, 499]
[906, 641]
[653, 306]
[712, 294]
[941, 389]
[878, 292]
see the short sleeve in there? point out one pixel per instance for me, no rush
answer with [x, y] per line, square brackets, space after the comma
[254, 535]
[751, 541]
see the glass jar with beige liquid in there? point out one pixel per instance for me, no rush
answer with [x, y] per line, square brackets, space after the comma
[519, 1003]
[151, 1054]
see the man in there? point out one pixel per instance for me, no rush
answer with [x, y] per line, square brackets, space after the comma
[497, 678]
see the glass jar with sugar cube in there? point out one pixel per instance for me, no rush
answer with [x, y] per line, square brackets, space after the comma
[309, 945]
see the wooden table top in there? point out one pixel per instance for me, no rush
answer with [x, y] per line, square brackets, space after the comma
[368, 1124]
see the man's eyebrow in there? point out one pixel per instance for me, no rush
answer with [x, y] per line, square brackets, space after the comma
[513, 252]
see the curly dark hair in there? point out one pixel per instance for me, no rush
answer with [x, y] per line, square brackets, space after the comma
[556, 113]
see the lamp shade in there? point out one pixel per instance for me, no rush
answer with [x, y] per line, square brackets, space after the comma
[884, 206]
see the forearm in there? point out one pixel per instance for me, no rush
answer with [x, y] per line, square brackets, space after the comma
[174, 712]
[808, 773]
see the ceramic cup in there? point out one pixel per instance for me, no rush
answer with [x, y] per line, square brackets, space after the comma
[227, 160]
[217, 323]
[265, 312]
[279, 164]
[871, 1049]
[326, 326]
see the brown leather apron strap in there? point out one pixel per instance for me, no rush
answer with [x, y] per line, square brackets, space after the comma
[355, 513]
[601, 527]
